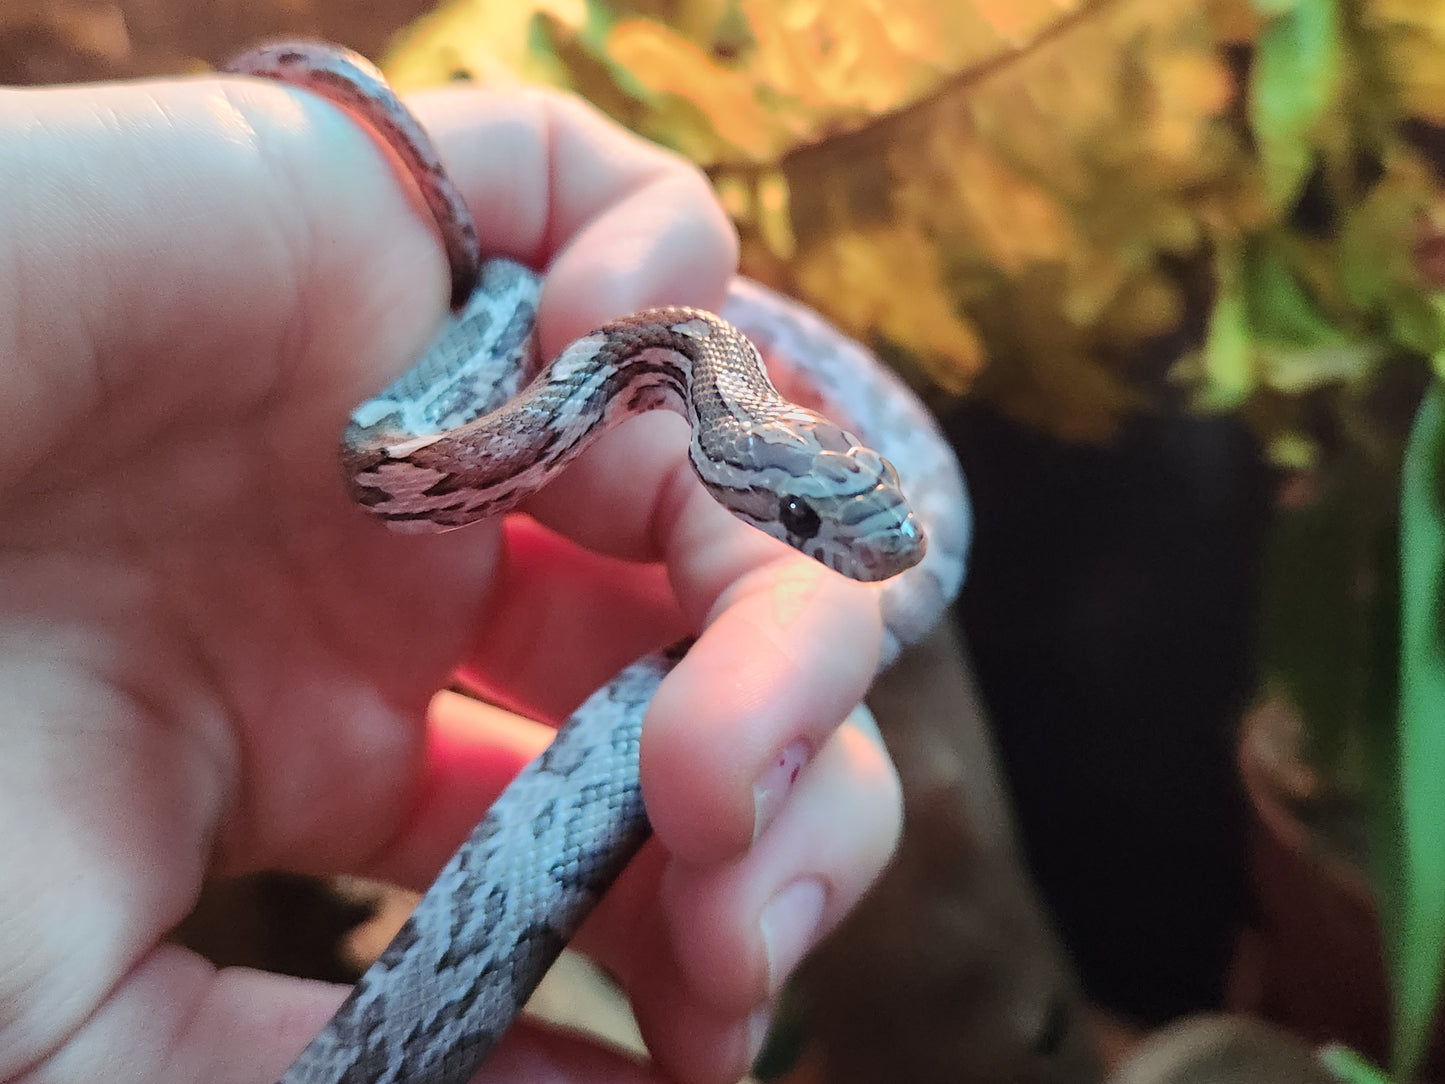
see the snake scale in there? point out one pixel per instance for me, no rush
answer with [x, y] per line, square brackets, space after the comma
[476, 426]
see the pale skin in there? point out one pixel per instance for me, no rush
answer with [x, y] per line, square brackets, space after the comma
[211, 663]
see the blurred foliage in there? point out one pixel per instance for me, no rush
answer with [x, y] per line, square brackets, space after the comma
[995, 180]
[1005, 196]
[1411, 37]
[741, 82]
[72, 41]
[1409, 785]
[1340, 272]
[1348, 1067]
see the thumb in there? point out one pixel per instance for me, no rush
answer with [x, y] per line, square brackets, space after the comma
[183, 246]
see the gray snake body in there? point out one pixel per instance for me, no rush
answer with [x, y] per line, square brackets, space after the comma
[483, 447]
[495, 919]
[473, 429]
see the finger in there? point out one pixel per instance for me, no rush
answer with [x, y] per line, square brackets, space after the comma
[740, 928]
[618, 223]
[689, 1038]
[145, 308]
[793, 649]
[620, 494]
[538, 1054]
[173, 1019]
[554, 600]
[790, 650]
[703, 950]
[702, 963]
[685, 1031]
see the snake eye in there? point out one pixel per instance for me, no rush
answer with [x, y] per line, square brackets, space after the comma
[798, 518]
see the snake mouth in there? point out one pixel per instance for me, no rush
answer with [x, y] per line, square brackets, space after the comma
[897, 551]
[869, 560]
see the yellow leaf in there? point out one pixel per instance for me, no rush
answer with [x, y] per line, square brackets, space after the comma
[891, 278]
[1412, 36]
[956, 179]
[1018, 21]
[812, 68]
[663, 62]
[1237, 22]
[1013, 221]
[488, 42]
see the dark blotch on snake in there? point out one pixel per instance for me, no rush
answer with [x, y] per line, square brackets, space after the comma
[518, 328]
[400, 945]
[545, 818]
[537, 946]
[559, 760]
[855, 512]
[491, 906]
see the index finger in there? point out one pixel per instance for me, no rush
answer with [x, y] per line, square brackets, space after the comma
[617, 223]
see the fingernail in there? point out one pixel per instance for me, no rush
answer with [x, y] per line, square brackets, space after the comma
[774, 784]
[790, 923]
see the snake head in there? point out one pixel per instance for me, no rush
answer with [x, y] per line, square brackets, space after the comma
[858, 523]
[825, 494]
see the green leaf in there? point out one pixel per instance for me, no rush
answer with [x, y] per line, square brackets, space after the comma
[1281, 309]
[1437, 311]
[1267, 328]
[1349, 1067]
[1296, 71]
[1417, 891]
[1291, 451]
[1296, 371]
[1270, 8]
[1228, 370]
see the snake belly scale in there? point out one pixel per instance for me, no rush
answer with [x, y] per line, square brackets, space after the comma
[473, 429]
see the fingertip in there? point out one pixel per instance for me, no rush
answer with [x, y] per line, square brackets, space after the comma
[740, 928]
[689, 1036]
[618, 223]
[496, 150]
[666, 242]
[789, 653]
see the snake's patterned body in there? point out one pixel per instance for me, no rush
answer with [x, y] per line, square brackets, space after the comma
[474, 428]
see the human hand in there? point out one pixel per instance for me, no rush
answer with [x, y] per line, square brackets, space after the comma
[216, 664]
